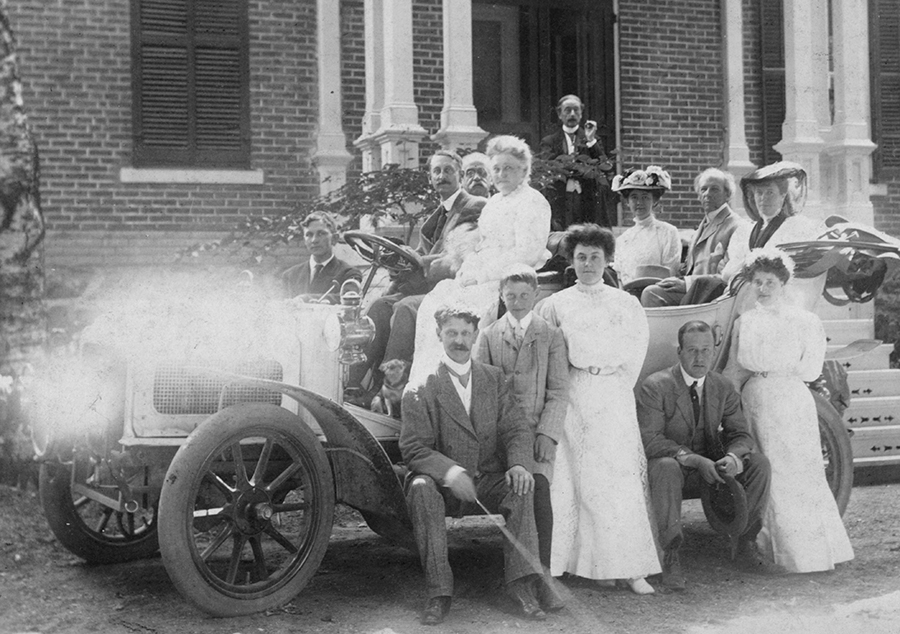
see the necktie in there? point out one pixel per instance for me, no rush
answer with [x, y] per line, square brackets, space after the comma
[695, 402]
[571, 136]
[463, 378]
[520, 334]
[317, 271]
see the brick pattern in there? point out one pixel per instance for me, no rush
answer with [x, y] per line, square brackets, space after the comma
[75, 61]
[672, 86]
[353, 76]
[886, 217]
[428, 68]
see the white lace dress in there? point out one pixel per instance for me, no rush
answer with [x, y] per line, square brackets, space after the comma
[513, 229]
[648, 241]
[802, 528]
[599, 493]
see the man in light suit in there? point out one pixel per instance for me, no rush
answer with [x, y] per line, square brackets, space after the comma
[534, 360]
[708, 247]
[464, 439]
[324, 273]
[579, 199]
[680, 411]
[394, 314]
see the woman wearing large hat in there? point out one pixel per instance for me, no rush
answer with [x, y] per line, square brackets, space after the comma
[651, 249]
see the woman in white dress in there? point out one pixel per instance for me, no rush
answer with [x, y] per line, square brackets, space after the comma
[601, 528]
[649, 241]
[776, 347]
[513, 228]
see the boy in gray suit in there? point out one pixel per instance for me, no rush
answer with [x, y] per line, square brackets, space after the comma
[534, 360]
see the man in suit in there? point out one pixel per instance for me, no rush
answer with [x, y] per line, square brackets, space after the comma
[578, 199]
[321, 277]
[534, 360]
[465, 440]
[708, 247]
[394, 314]
[680, 411]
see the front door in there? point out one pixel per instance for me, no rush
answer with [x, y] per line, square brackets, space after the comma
[528, 53]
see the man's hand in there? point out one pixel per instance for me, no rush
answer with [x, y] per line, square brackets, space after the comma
[705, 466]
[463, 488]
[673, 284]
[728, 466]
[590, 131]
[519, 480]
[544, 448]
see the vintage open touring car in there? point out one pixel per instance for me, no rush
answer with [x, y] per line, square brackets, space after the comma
[221, 438]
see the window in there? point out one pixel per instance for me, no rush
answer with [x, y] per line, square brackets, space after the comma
[190, 92]
[771, 43]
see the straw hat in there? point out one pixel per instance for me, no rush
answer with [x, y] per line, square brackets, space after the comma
[654, 179]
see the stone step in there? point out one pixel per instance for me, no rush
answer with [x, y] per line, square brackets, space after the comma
[843, 331]
[873, 412]
[874, 446]
[872, 383]
[876, 359]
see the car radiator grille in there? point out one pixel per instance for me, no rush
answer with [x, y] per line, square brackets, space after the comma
[178, 390]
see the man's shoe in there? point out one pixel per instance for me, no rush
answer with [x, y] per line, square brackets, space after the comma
[672, 576]
[523, 598]
[750, 558]
[436, 610]
[547, 596]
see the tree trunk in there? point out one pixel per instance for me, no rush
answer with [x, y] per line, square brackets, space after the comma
[22, 314]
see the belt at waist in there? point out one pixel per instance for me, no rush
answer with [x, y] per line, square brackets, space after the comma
[774, 375]
[592, 369]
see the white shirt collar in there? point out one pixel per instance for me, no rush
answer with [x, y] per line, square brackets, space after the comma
[525, 322]
[646, 222]
[313, 263]
[451, 199]
[459, 368]
[712, 215]
[689, 380]
[569, 130]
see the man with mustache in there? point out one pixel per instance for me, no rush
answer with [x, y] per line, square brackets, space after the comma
[582, 198]
[465, 440]
[476, 174]
[394, 314]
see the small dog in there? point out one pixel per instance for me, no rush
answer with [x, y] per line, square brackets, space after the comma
[387, 401]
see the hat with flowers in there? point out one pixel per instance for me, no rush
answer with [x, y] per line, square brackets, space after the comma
[654, 178]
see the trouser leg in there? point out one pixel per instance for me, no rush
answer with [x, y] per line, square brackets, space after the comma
[755, 480]
[655, 296]
[402, 341]
[543, 517]
[518, 511]
[666, 484]
[427, 510]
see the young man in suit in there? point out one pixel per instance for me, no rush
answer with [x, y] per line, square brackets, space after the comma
[534, 360]
[680, 411]
[324, 273]
[579, 199]
[465, 440]
[708, 247]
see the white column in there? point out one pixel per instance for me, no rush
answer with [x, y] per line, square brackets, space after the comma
[331, 156]
[849, 146]
[459, 118]
[400, 133]
[737, 153]
[805, 88]
[374, 47]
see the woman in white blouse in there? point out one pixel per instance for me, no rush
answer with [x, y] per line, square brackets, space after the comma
[513, 228]
[650, 241]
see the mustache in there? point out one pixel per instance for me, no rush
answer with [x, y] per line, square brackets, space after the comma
[459, 346]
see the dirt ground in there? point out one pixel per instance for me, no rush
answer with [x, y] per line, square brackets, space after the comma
[367, 585]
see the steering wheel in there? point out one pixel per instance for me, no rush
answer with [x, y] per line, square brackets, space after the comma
[380, 251]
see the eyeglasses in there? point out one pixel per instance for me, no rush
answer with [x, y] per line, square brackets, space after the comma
[472, 172]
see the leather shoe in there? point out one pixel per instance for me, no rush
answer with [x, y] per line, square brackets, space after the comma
[435, 610]
[672, 575]
[752, 559]
[547, 596]
[523, 598]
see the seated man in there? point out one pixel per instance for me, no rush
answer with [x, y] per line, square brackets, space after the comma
[452, 467]
[321, 277]
[709, 244]
[680, 410]
[476, 174]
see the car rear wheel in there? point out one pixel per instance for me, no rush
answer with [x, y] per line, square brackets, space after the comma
[837, 453]
[246, 510]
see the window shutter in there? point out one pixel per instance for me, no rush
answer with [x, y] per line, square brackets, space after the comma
[772, 72]
[885, 82]
[191, 83]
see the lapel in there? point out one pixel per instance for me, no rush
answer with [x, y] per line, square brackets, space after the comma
[712, 227]
[507, 334]
[480, 394]
[531, 333]
[710, 404]
[450, 401]
[683, 400]
[453, 215]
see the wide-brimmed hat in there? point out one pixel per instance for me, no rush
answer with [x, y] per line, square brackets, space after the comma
[725, 507]
[792, 173]
[645, 275]
[654, 179]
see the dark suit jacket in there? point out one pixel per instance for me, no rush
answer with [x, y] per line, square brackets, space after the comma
[593, 191]
[537, 373]
[709, 247]
[666, 416]
[466, 208]
[295, 280]
[437, 433]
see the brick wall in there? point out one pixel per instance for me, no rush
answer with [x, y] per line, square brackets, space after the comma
[428, 68]
[75, 64]
[672, 86]
[887, 209]
[353, 75]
